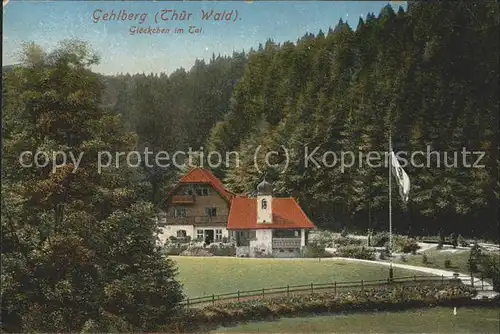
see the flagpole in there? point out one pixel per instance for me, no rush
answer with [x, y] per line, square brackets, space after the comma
[390, 206]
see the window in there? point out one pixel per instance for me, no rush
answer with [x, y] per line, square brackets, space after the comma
[218, 235]
[181, 234]
[286, 233]
[199, 234]
[187, 191]
[264, 204]
[180, 212]
[202, 191]
[211, 212]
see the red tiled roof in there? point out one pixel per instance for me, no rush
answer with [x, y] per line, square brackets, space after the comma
[201, 175]
[287, 214]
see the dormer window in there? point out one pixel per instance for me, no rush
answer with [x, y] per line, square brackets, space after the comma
[202, 191]
[264, 204]
[187, 191]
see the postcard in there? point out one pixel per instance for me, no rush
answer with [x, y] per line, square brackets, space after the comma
[250, 166]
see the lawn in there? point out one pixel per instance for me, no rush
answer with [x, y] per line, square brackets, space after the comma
[436, 259]
[212, 275]
[435, 320]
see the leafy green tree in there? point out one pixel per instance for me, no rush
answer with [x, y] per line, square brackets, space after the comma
[78, 248]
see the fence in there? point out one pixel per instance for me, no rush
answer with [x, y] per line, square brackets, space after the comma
[311, 288]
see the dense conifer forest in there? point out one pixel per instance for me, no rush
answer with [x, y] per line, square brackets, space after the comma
[428, 75]
[79, 249]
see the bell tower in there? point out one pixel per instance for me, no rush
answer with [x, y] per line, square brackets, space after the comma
[264, 202]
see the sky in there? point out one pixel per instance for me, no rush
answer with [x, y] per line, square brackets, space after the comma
[48, 22]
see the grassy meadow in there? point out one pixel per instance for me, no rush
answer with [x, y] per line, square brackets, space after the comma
[436, 259]
[434, 320]
[214, 275]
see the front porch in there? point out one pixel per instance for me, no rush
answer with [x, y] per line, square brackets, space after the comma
[268, 242]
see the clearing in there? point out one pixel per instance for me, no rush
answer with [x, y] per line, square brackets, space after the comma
[203, 276]
[436, 259]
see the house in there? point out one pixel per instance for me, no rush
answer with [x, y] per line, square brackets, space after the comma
[268, 225]
[197, 207]
[200, 207]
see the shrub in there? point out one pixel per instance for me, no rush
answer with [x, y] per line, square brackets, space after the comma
[259, 252]
[324, 238]
[425, 260]
[370, 239]
[476, 250]
[107, 323]
[195, 251]
[380, 239]
[384, 254]
[356, 252]
[447, 263]
[344, 232]
[490, 265]
[472, 264]
[314, 249]
[403, 258]
[462, 242]
[441, 236]
[406, 245]
[440, 245]
[474, 258]
[175, 249]
[389, 297]
[347, 241]
[222, 249]
[454, 240]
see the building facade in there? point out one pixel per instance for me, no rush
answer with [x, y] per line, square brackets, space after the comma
[199, 208]
[268, 225]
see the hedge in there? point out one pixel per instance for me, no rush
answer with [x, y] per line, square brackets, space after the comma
[389, 298]
[356, 252]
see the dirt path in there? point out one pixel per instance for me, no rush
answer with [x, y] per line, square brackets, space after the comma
[487, 288]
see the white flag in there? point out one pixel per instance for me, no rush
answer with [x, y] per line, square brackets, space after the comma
[401, 177]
